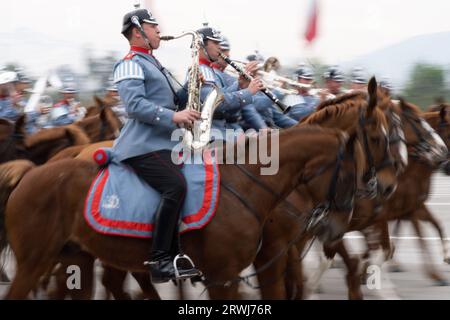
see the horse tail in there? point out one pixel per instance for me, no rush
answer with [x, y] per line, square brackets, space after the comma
[76, 135]
[10, 175]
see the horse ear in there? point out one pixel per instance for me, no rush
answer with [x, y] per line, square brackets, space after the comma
[19, 127]
[403, 104]
[372, 89]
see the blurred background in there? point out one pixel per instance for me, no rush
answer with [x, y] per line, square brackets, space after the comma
[407, 42]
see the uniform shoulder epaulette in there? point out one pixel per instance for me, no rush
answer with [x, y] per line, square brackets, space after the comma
[128, 69]
[208, 73]
[129, 56]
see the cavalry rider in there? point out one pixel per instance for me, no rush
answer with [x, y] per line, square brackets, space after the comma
[69, 103]
[334, 78]
[7, 109]
[237, 94]
[60, 114]
[145, 141]
[358, 80]
[304, 102]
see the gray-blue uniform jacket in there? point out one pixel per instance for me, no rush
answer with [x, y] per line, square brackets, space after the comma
[228, 82]
[302, 106]
[149, 102]
[7, 110]
[266, 115]
[234, 98]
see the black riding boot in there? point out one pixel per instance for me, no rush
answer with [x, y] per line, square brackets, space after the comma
[162, 263]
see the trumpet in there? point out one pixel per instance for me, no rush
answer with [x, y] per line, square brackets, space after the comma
[276, 78]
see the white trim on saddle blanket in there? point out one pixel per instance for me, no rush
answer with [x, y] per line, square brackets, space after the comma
[120, 203]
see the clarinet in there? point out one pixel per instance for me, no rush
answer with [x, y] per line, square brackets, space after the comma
[284, 108]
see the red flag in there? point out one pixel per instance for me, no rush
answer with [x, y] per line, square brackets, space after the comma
[311, 27]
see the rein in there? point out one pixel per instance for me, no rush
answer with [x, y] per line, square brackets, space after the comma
[316, 216]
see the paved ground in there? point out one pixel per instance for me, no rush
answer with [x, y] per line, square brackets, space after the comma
[410, 284]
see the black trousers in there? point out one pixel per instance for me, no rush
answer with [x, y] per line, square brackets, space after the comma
[158, 170]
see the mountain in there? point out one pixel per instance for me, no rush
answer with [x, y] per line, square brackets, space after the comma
[396, 61]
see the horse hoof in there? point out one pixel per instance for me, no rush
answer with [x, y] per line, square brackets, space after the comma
[441, 283]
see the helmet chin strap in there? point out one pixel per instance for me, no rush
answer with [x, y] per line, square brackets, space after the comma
[206, 52]
[135, 21]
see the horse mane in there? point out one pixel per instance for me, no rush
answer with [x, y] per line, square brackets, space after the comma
[330, 111]
[244, 140]
[76, 134]
[410, 107]
[342, 98]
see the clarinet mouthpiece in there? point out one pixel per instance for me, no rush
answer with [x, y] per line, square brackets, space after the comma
[167, 38]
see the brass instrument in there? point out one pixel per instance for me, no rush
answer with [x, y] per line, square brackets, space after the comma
[198, 135]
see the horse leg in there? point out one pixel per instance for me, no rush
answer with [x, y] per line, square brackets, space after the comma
[294, 273]
[27, 277]
[429, 268]
[113, 280]
[394, 265]
[148, 290]
[326, 257]
[377, 259]
[426, 215]
[353, 272]
[271, 279]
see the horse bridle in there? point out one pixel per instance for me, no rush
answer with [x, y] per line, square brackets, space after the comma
[423, 146]
[370, 176]
[317, 215]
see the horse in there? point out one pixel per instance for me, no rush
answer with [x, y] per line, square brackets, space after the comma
[39, 147]
[344, 113]
[423, 148]
[56, 217]
[409, 203]
[349, 111]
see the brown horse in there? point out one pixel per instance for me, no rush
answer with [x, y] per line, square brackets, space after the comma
[408, 204]
[39, 147]
[344, 113]
[423, 149]
[276, 237]
[222, 249]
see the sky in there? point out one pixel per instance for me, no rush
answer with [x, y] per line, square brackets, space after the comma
[347, 28]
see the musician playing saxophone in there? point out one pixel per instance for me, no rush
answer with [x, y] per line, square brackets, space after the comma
[145, 141]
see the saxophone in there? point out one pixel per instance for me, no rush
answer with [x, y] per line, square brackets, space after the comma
[198, 135]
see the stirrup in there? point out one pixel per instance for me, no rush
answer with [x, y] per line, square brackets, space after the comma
[180, 256]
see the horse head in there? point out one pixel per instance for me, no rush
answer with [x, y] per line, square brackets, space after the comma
[424, 143]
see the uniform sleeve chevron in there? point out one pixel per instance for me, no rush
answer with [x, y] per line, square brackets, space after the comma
[128, 69]
[207, 74]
